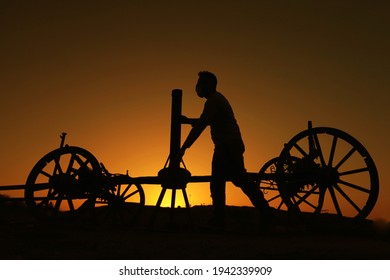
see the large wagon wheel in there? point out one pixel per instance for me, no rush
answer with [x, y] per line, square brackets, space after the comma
[122, 204]
[53, 187]
[334, 174]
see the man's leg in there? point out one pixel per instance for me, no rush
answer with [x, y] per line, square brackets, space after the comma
[218, 186]
[241, 179]
[254, 193]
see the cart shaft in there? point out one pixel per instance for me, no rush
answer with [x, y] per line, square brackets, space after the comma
[155, 180]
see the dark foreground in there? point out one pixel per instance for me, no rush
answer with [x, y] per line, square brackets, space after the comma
[326, 237]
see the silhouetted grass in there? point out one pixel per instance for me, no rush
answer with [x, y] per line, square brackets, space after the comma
[322, 238]
[7, 202]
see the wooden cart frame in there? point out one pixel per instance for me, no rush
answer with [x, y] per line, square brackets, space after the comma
[319, 170]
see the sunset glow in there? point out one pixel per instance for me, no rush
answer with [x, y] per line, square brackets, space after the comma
[104, 74]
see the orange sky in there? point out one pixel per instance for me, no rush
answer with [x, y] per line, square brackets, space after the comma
[103, 72]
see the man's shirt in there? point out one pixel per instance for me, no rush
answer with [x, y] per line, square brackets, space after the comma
[218, 113]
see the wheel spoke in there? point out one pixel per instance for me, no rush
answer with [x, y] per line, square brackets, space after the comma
[294, 200]
[118, 192]
[43, 202]
[319, 150]
[131, 194]
[335, 202]
[274, 197]
[44, 173]
[57, 166]
[125, 191]
[356, 187]
[354, 171]
[337, 187]
[70, 203]
[332, 151]
[50, 195]
[58, 203]
[70, 165]
[307, 194]
[347, 156]
[280, 205]
[300, 150]
[303, 200]
[81, 162]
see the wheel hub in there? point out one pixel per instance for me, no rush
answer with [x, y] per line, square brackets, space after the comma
[328, 176]
[64, 184]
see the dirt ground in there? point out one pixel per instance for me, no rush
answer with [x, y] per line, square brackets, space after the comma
[320, 238]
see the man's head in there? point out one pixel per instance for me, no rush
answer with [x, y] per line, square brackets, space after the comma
[206, 85]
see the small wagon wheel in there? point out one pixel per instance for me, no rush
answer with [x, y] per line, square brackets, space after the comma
[266, 181]
[334, 174]
[53, 185]
[122, 204]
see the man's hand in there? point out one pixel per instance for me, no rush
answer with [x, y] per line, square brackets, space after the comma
[186, 120]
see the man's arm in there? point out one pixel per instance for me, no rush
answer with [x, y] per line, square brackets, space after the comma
[195, 132]
[190, 121]
[198, 125]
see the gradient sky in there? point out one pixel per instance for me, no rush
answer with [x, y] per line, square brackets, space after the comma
[103, 72]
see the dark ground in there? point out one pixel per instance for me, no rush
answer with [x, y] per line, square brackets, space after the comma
[326, 237]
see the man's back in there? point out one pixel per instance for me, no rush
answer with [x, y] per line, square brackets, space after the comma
[219, 115]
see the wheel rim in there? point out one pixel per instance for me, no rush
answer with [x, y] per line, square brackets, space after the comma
[338, 176]
[122, 204]
[54, 186]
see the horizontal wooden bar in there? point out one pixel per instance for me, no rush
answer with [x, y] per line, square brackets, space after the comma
[148, 180]
[12, 187]
[155, 180]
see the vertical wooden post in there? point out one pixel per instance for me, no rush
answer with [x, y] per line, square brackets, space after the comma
[170, 176]
[175, 127]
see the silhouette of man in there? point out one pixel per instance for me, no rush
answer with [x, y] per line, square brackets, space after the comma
[228, 160]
